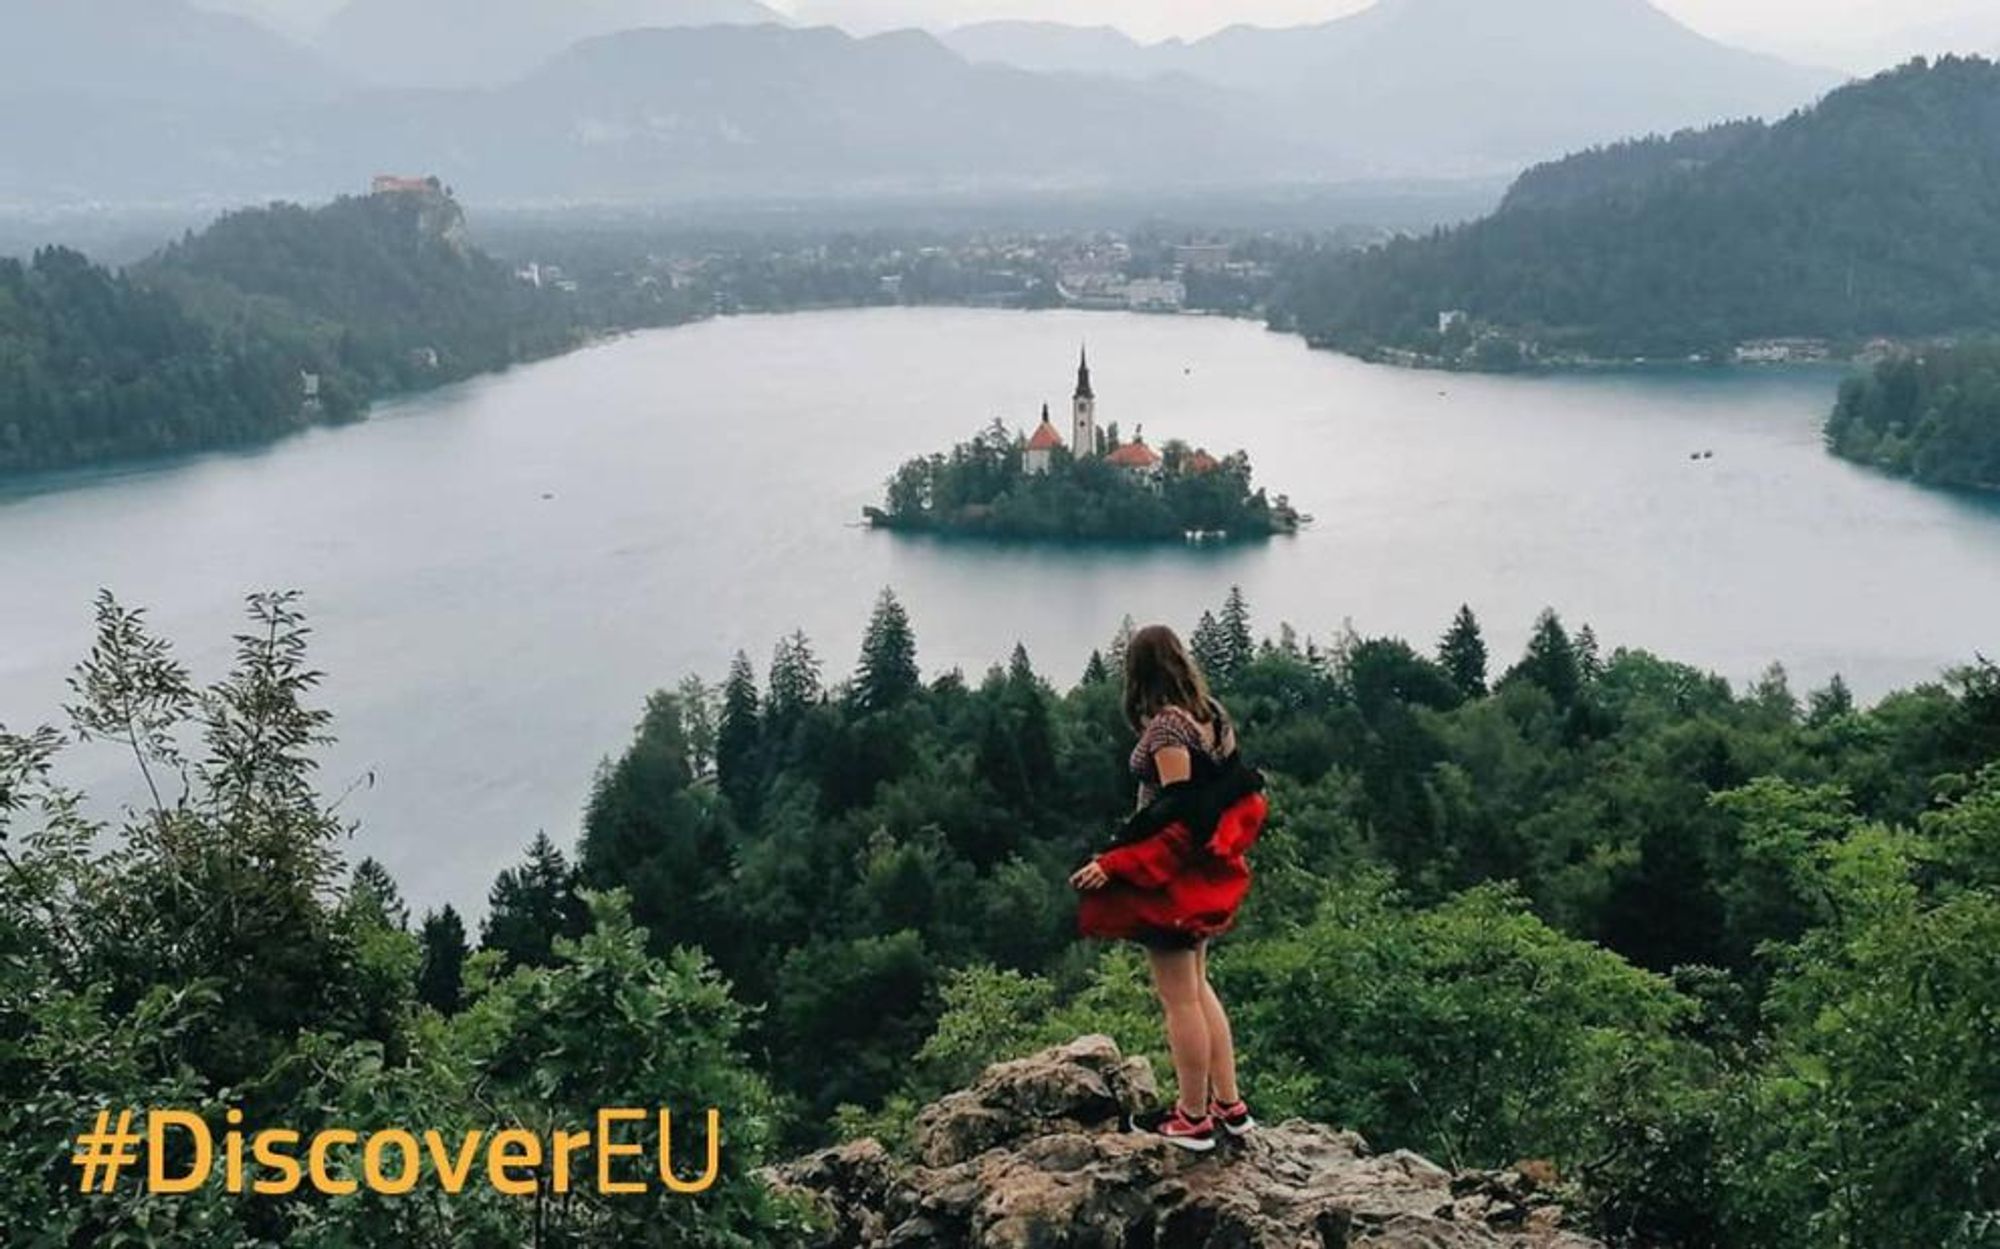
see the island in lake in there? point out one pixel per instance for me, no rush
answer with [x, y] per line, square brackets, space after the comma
[1093, 484]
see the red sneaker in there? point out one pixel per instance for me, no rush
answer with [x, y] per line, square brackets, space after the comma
[1176, 1128]
[1234, 1117]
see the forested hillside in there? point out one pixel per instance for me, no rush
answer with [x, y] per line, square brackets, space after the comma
[368, 287]
[1875, 213]
[95, 366]
[210, 342]
[1934, 416]
[1591, 907]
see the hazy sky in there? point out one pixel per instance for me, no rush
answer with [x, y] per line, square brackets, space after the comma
[1855, 33]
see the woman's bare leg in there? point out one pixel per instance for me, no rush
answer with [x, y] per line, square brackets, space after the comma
[1177, 978]
[1221, 1041]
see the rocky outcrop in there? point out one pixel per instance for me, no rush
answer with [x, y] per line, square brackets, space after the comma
[1034, 1156]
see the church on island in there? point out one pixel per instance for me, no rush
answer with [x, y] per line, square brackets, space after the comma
[1091, 484]
[1085, 440]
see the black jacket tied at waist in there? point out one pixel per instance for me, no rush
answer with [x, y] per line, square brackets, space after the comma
[1197, 803]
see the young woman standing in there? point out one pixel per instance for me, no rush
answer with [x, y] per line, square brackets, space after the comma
[1176, 874]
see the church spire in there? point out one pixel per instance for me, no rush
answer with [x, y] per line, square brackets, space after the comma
[1083, 420]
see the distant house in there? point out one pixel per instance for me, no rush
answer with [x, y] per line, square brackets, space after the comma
[1137, 460]
[1042, 448]
[1202, 257]
[1784, 351]
[1450, 319]
[395, 184]
[1155, 295]
[1202, 462]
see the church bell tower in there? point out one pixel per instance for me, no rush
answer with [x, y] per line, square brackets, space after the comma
[1083, 431]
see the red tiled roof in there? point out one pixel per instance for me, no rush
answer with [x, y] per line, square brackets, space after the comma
[1133, 455]
[1046, 438]
[1203, 462]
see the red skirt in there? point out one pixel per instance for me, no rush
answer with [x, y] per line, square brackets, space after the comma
[1166, 890]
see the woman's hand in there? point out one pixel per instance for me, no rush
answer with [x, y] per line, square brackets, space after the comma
[1090, 876]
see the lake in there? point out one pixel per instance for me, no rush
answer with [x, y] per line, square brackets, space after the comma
[499, 572]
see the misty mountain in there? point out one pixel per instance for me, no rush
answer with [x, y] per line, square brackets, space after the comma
[1411, 87]
[733, 110]
[464, 43]
[144, 52]
[675, 114]
[1455, 85]
[1473, 84]
[1051, 47]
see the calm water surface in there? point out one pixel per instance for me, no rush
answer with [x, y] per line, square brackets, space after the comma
[487, 646]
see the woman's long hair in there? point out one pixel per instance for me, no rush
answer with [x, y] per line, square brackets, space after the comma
[1159, 673]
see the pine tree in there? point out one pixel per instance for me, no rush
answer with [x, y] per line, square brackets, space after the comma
[531, 905]
[795, 680]
[1287, 645]
[739, 739]
[1829, 703]
[1209, 646]
[1773, 695]
[1121, 645]
[1095, 672]
[374, 890]
[1550, 661]
[888, 670]
[1020, 669]
[696, 702]
[1589, 659]
[441, 974]
[1239, 647]
[1462, 654]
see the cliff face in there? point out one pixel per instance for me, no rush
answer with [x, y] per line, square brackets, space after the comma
[1033, 1156]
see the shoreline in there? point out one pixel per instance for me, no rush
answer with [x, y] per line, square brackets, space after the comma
[26, 483]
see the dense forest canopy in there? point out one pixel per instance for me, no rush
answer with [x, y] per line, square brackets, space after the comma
[1933, 416]
[1590, 906]
[984, 486]
[94, 365]
[1875, 213]
[210, 342]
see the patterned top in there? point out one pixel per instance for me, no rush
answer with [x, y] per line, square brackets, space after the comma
[1175, 727]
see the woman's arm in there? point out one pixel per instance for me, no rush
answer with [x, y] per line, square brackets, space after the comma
[1153, 861]
[1150, 863]
[1173, 764]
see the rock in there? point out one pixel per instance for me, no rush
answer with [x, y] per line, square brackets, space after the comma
[1035, 1156]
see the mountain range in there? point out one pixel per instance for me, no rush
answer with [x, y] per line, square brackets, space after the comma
[86, 53]
[485, 43]
[1470, 85]
[564, 100]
